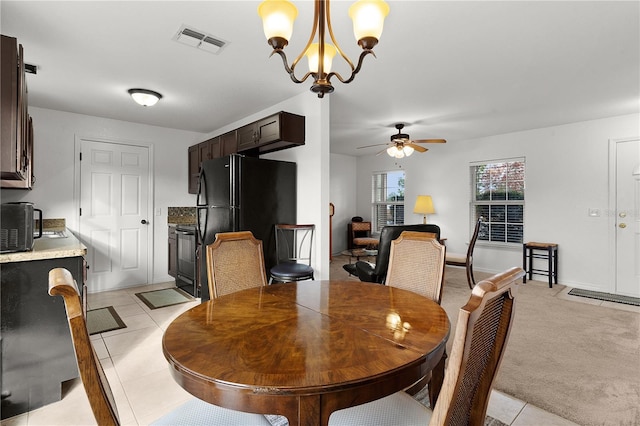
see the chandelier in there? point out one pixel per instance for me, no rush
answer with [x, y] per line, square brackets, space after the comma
[277, 20]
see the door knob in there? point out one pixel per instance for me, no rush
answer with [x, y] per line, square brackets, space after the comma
[144, 222]
[623, 225]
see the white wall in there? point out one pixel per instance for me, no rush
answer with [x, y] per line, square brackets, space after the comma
[343, 196]
[566, 174]
[54, 156]
[313, 167]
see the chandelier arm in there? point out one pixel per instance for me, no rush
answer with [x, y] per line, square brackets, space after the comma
[290, 70]
[354, 71]
[316, 13]
[335, 42]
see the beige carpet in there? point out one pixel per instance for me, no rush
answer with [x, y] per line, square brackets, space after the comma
[576, 360]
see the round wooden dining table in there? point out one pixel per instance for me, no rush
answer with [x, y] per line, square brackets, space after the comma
[306, 349]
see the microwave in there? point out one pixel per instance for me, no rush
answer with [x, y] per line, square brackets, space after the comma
[18, 224]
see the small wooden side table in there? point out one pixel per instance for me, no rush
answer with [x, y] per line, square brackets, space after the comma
[536, 250]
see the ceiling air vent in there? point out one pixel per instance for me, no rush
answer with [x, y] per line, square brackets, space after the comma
[200, 40]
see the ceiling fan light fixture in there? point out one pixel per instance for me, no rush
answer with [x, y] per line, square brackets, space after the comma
[145, 97]
[408, 150]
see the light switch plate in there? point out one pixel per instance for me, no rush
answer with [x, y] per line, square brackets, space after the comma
[594, 212]
[158, 211]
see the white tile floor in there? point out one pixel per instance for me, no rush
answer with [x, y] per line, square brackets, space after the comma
[144, 389]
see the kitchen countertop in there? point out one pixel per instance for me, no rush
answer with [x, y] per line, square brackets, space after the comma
[48, 248]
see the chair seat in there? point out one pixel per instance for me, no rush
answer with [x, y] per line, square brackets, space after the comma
[196, 412]
[366, 241]
[386, 411]
[456, 259]
[289, 271]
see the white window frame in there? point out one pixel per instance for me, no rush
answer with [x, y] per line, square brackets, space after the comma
[379, 195]
[493, 224]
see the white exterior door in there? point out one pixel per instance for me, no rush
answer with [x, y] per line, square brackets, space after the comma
[114, 193]
[628, 218]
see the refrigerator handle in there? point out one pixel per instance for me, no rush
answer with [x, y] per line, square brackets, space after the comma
[202, 193]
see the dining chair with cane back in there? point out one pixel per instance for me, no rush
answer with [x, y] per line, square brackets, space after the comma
[96, 385]
[294, 246]
[466, 260]
[235, 261]
[481, 336]
[416, 263]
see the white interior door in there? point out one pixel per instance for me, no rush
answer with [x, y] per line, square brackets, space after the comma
[114, 193]
[628, 218]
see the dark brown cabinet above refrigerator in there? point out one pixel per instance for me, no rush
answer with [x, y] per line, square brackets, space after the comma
[278, 131]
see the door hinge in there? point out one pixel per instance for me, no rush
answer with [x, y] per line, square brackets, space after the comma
[80, 156]
[80, 211]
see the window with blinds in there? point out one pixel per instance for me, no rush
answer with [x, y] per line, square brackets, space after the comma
[497, 195]
[387, 199]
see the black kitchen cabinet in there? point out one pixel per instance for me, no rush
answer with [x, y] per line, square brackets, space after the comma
[173, 251]
[37, 351]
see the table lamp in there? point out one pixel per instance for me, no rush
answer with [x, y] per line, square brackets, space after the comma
[424, 206]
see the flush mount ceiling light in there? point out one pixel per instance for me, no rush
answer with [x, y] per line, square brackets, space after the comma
[277, 19]
[145, 97]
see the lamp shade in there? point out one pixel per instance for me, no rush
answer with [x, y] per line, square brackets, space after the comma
[424, 205]
[145, 97]
[368, 18]
[313, 56]
[277, 18]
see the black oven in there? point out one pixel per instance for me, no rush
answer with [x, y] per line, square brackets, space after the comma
[187, 246]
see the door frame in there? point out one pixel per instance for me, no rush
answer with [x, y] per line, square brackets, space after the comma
[150, 198]
[611, 211]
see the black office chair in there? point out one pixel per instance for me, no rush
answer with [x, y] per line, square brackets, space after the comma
[294, 245]
[377, 272]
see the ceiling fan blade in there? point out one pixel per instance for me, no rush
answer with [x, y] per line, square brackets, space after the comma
[369, 146]
[429, 141]
[384, 150]
[417, 147]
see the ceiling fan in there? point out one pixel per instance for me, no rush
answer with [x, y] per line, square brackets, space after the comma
[401, 145]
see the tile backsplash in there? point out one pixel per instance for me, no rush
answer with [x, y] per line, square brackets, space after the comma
[181, 215]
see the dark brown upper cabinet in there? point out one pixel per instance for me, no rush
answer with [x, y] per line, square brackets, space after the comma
[16, 160]
[279, 131]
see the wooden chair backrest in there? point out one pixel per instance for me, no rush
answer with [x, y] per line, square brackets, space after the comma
[235, 261]
[360, 226]
[61, 283]
[416, 263]
[482, 332]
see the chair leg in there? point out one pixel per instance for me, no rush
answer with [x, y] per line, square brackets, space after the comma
[437, 378]
[470, 279]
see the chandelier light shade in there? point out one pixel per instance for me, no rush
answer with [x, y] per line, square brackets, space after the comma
[424, 206]
[145, 97]
[277, 21]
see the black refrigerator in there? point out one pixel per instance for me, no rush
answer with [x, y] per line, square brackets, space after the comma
[238, 193]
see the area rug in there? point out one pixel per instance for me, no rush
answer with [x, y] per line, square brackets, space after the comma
[165, 297]
[627, 300]
[103, 319]
[576, 360]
